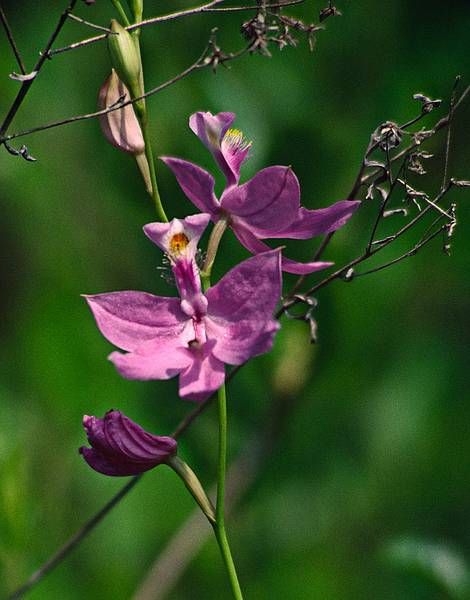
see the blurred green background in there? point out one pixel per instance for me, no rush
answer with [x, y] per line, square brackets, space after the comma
[365, 492]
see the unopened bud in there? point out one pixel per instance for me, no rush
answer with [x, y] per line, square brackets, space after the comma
[125, 57]
[120, 127]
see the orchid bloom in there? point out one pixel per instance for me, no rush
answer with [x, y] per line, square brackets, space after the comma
[194, 335]
[266, 206]
[120, 447]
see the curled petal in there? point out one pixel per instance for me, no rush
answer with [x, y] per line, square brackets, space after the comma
[120, 447]
[267, 203]
[196, 183]
[255, 245]
[228, 147]
[310, 223]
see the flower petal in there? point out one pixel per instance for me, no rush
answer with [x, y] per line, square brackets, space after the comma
[133, 442]
[204, 376]
[253, 244]
[238, 341]
[267, 203]
[102, 464]
[120, 447]
[196, 183]
[129, 319]
[310, 223]
[249, 292]
[211, 130]
[192, 227]
[164, 362]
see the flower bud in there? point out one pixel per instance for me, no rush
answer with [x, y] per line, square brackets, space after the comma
[120, 447]
[120, 127]
[125, 57]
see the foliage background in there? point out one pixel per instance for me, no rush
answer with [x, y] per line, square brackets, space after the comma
[366, 492]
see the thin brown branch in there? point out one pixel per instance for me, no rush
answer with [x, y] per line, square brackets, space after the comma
[11, 40]
[209, 7]
[25, 86]
[88, 24]
[203, 62]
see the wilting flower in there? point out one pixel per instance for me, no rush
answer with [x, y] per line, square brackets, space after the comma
[120, 447]
[266, 206]
[194, 335]
[121, 127]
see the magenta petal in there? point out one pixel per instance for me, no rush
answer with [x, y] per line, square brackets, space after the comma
[104, 465]
[209, 128]
[266, 203]
[163, 363]
[238, 341]
[133, 442]
[120, 447]
[196, 183]
[249, 291]
[204, 376]
[310, 223]
[129, 319]
[253, 244]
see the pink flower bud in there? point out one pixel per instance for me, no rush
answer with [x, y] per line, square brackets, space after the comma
[120, 127]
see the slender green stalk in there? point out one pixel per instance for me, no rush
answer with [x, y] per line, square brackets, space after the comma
[122, 13]
[141, 113]
[219, 526]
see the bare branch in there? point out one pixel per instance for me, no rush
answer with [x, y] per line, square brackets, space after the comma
[204, 61]
[11, 41]
[27, 83]
[209, 7]
[88, 24]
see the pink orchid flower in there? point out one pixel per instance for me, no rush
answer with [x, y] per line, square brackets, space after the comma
[266, 206]
[120, 447]
[194, 335]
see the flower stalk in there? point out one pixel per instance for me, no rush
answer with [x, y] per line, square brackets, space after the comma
[194, 486]
[219, 526]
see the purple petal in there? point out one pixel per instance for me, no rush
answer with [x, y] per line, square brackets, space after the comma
[238, 341]
[250, 291]
[310, 223]
[192, 227]
[133, 442]
[163, 362]
[120, 447]
[204, 376]
[129, 319]
[227, 147]
[267, 203]
[196, 183]
[104, 465]
[253, 244]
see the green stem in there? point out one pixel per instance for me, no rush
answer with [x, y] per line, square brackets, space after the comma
[122, 13]
[141, 113]
[219, 526]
